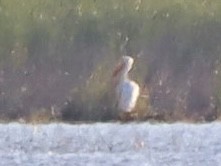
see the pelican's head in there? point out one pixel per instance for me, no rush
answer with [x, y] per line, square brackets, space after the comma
[128, 62]
[124, 65]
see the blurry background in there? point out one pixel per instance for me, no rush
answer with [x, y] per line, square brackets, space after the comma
[56, 57]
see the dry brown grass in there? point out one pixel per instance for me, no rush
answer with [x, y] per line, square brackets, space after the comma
[41, 116]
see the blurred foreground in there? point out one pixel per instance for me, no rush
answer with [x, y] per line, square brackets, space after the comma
[100, 144]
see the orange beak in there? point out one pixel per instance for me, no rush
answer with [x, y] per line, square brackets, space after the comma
[117, 69]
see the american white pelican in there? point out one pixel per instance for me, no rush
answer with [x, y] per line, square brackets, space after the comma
[127, 91]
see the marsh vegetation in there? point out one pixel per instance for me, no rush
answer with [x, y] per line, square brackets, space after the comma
[56, 57]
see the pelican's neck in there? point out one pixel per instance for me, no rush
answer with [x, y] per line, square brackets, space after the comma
[123, 69]
[124, 75]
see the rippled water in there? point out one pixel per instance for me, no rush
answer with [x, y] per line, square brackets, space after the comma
[111, 144]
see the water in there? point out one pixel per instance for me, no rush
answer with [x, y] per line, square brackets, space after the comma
[110, 144]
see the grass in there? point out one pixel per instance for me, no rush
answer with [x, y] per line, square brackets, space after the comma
[64, 51]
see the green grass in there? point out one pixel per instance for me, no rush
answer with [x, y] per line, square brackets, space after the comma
[84, 39]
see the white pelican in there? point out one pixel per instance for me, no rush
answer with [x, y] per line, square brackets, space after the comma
[127, 91]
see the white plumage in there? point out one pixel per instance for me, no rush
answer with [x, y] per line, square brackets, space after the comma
[127, 91]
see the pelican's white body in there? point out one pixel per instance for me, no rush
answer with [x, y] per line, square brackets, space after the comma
[127, 91]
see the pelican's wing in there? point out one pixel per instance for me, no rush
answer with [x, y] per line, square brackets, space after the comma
[128, 96]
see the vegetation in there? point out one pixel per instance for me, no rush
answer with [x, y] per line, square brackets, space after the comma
[57, 56]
